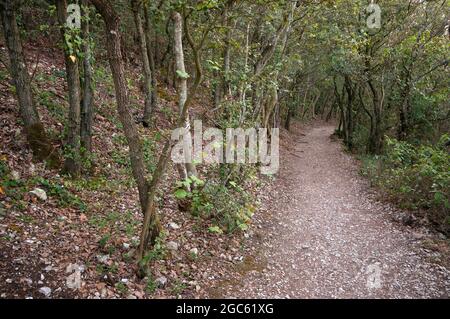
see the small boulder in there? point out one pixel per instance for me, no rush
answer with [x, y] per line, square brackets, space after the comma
[174, 225]
[15, 175]
[73, 281]
[39, 193]
[161, 281]
[171, 245]
[46, 291]
[103, 259]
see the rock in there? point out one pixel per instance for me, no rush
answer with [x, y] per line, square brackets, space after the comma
[194, 251]
[126, 246]
[15, 175]
[46, 291]
[103, 258]
[73, 281]
[441, 236]
[74, 267]
[174, 225]
[29, 281]
[32, 169]
[161, 281]
[131, 297]
[8, 281]
[171, 245]
[39, 193]
[418, 236]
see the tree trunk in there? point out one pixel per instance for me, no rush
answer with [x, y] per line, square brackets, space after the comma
[87, 110]
[34, 130]
[123, 101]
[182, 84]
[350, 122]
[289, 115]
[136, 6]
[152, 55]
[72, 161]
[223, 88]
[405, 107]
[375, 140]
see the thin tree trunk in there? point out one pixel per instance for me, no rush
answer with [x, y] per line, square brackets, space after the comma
[223, 89]
[350, 122]
[122, 96]
[72, 161]
[374, 146]
[87, 110]
[243, 87]
[34, 130]
[405, 106]
[136, 6]
[152, 55]
[181, 82]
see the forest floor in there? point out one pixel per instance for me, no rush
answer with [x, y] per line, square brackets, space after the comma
[326, 234]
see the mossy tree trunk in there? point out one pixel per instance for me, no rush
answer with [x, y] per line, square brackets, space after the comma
[34, 130]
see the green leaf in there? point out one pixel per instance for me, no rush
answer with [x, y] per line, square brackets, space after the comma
[181, 193]
[215, 230]
[183, 74]
[243, 226]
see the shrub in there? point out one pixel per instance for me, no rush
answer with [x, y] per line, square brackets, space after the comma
[228, 205]
[418, 177]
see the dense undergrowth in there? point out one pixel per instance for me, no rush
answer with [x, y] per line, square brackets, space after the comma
[415, 176]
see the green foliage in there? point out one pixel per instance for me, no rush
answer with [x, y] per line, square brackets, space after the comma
[122, 158]
[182, 74]
[16, 189]
[229, 207]
[63, 195]
[158, 251]
[178, 287]
[47, 99]
[151, 285]
[122, 287]
[418, 177]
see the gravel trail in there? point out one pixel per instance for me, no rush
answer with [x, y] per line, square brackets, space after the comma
[328, 236]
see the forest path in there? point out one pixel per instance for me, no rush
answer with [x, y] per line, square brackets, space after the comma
[328, 237]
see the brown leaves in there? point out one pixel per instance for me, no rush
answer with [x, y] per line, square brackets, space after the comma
[83, 218]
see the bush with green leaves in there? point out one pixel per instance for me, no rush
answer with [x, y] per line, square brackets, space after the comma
[418, 177]
[228, 205]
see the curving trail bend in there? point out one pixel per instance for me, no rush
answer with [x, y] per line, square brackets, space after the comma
[328, 237]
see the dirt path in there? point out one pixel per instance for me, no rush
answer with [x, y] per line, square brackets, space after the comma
[328, 237]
